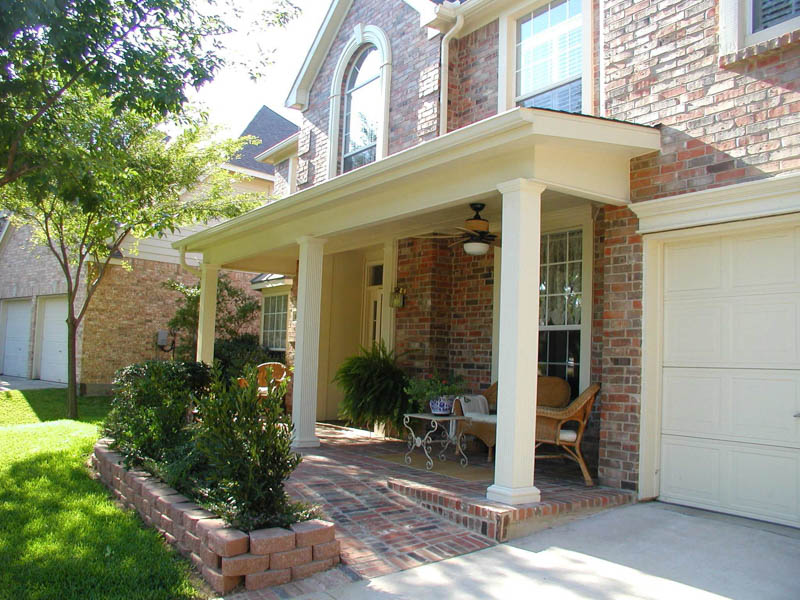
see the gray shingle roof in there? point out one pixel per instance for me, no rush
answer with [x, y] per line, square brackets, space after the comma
[270, 128]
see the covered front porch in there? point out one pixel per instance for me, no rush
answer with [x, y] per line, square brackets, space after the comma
[538, 172]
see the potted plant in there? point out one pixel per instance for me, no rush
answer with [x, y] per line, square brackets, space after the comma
[435, 392]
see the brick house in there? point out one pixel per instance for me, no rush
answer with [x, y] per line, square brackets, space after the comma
[641, 160]
[129, 308]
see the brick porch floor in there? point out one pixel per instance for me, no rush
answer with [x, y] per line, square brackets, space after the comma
[380, 512]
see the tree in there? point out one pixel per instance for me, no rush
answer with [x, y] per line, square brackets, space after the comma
[235, 309]
[142, 53]
[112, 175]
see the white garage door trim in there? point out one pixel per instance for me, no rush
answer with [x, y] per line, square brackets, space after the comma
[51, 339]
[653, 338]
[18, 311]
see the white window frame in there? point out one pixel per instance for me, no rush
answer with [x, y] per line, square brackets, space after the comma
[362, 35]
[736, 27]
[273, 293]
[507, 56]
[556, 222]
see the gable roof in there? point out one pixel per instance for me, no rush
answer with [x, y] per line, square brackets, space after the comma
[270, 128]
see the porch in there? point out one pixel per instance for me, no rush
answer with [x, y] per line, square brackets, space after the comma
[536, 172]
[392, 517]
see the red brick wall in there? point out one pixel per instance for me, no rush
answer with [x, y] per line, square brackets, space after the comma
[720, 124]
[617, 344]
[127, 310]
[472, 91]
[414, 87]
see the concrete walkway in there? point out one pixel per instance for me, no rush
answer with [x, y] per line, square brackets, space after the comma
[652, 551]
[20, 383]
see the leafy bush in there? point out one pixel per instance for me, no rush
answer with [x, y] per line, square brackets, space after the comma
[150, 407]
[246, 443]
[236, 353]
[374, 388]
[421, 390]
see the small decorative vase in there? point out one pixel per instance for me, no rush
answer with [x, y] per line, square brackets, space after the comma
[442, 405]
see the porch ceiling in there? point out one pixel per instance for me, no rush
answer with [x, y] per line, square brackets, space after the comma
[426, 187]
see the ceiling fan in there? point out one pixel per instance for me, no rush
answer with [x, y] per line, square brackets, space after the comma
[474, 235]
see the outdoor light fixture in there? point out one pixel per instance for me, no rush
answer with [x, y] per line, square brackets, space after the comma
[397, 298]
[476, 248]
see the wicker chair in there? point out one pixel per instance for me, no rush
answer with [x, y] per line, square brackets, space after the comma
[269, 375]
[549, 428]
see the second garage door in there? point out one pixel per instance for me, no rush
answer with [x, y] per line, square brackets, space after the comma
[17, 337]
[53, 354]
[731, 374]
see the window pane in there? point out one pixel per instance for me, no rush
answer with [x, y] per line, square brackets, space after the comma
[361, 122]
[574, 277]
[767, 13]
[355, 161]
[556, 306]
[574, 309]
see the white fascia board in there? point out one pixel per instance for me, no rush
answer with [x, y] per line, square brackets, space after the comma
[754, 199]
[298, 95]
[280, 151]
[280, 285]
[521, 122]
[248, 172]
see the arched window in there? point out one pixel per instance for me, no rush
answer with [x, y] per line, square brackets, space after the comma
[363, 108]
[358, 127]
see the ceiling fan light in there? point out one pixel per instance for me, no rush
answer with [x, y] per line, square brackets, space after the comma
[476, 248]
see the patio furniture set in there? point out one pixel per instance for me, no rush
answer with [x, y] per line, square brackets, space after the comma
[475, 414]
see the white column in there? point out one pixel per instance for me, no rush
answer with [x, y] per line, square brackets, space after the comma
[208, 313]
[519, 344]
[306, 358]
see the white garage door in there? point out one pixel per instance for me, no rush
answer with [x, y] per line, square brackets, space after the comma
[731, 374]
[53, 364]
[17, 338]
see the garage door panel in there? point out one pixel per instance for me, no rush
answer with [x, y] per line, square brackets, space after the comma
[754, 264]
[693, 267]
[693, 333]
[693, 401]
[690, 471]
[765, 332]
[763, 407]
[53, 361]
[16, 345]
[765, 481]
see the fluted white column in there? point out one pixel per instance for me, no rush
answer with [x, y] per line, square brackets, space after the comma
[519, 344]
[207, 313]
[306, 359]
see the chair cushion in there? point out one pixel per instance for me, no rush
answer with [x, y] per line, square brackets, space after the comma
[567, 435]
[474, 404]
[552, 392]
[480, 418]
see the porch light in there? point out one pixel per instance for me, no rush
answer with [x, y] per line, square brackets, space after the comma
[476, 248]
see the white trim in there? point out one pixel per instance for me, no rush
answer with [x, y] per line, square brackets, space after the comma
[389, 284]
[248, 172]
[507, 55]
[275, 285]
[754, 199]
[736, 27]
[6, 227]
[362, 35]
[653, 336]
[280, 151]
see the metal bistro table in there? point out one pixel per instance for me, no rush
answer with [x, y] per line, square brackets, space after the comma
[441, 423]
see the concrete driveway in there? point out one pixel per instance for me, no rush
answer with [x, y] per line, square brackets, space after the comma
[20, 383]
[653, 551]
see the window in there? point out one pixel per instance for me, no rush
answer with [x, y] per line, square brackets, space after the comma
[362, 108]
[561, 306]
[549, 57]
[767, 13]
[273, 323]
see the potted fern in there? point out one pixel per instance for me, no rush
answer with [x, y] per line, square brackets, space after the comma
[374, 389]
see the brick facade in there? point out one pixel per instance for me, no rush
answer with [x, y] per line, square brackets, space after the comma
[414, 95]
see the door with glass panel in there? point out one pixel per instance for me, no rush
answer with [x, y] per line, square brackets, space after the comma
[373, 306]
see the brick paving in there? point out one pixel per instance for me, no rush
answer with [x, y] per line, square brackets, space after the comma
[380, 509]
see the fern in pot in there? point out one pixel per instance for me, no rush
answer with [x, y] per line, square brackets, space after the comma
[374, 388]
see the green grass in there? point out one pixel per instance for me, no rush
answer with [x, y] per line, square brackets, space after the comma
[61, 537]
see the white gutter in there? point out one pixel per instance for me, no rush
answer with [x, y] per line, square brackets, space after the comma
[190, 269]
[444, 73]
[601, 42]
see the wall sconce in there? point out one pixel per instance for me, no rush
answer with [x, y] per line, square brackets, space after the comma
[397, 298]
[476, 248]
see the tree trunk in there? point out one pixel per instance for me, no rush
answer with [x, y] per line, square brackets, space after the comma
[72, 368]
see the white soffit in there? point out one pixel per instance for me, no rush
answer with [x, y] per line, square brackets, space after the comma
[755, 199]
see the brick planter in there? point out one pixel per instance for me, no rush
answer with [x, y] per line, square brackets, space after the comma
[225, 556]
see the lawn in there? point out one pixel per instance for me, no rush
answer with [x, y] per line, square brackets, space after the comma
[61, 537]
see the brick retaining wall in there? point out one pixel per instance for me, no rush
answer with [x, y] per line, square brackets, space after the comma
[225, 556]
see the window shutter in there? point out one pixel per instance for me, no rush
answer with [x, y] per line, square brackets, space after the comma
[767, 13]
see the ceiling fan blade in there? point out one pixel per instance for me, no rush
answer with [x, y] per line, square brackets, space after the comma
[459, 241]
[436, 236]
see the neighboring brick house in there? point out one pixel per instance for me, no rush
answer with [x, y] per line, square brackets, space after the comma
[642, 162]
[131, 305]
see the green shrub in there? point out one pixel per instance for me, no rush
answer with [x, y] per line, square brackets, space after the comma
[236, 353]
[245, 441]
[421, 390]
[374, 388]
[150, 407]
